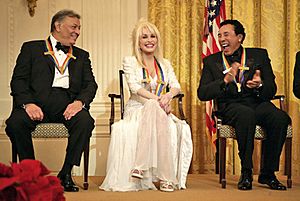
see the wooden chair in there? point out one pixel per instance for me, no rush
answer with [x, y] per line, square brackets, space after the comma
[57, 130]
[122, 104]
[226, 131]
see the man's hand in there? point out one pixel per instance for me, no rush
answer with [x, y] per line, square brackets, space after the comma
[72, 109]
[256, 80]
[230, 75]
[34, 112]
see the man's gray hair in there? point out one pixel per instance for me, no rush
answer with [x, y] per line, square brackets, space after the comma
[60, 16]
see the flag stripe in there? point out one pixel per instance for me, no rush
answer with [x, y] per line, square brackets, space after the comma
[214, 14]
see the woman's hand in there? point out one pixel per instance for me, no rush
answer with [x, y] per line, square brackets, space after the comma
[164, 102]
[168, 109]
[165, 99]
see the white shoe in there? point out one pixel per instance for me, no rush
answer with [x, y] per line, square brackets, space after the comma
[166, 186]
[137, 173]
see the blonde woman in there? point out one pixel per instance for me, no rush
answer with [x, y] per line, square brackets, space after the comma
[150, 143]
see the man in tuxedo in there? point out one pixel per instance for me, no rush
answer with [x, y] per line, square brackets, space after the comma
[296, 82]
[242, 81]
[53, 82]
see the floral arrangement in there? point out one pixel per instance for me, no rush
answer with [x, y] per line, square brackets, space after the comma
[28, 181]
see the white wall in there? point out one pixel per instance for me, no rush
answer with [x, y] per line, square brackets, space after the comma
[105, 33]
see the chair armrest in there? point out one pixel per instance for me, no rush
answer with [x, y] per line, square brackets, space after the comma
[180, 96]
[278, 97]
[281, 99]
[180, 108]
[113, 96]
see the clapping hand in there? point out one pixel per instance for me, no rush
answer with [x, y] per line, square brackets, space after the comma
[256, 80]
[232, 72]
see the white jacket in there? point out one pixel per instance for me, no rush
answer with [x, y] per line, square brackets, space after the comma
[134, 76]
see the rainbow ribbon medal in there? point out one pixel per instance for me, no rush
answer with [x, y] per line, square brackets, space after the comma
[242, 68]
[160, 77]
[49, 51]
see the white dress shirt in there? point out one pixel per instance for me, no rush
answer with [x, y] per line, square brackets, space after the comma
[60, 80]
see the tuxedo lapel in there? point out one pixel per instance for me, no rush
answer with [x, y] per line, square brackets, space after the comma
[249, 63]
[248, 72]
[50, 62]
[48, 58]
[72, 65]
[219, 63]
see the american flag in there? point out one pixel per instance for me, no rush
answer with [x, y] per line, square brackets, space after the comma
[214, 14]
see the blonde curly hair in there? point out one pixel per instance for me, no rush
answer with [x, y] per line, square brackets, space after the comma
[136, 35]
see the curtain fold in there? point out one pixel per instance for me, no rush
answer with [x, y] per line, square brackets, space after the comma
[269, 24]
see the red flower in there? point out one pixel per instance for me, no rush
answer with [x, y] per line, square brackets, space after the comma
[5, 171]
[28, 181]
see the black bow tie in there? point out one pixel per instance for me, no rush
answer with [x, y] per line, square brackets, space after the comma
[64, 48]
[235, 57]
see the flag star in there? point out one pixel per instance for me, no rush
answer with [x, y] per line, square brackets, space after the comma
[213, 3]
[212, 13]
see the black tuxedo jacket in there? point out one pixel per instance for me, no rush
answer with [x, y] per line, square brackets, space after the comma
[296, 82]
[34, 73]
[212, 85]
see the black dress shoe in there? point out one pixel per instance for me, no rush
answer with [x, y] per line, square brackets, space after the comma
[271, 181]
[67, 183]
[245, 182]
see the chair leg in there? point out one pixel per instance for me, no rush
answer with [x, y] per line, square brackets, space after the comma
[86, 166]
[14, 153]
[222, 158]
[288, 162]
[219, 159]
[262, 153]
[217, 165]
[112, 113]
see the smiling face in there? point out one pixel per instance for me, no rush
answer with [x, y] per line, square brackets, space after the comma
[147, 41]
[67, 30]
[228, 39]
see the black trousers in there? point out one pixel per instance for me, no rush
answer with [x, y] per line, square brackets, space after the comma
[244, 118]
[19, 127]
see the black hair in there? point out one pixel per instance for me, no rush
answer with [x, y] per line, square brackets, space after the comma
[238, 27]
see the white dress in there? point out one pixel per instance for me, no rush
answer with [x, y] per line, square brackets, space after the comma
[163, 141]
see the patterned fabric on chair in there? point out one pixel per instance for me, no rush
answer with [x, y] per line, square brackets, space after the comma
[229, 132]
[50, 130]
[57, 130]
[226, 131]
